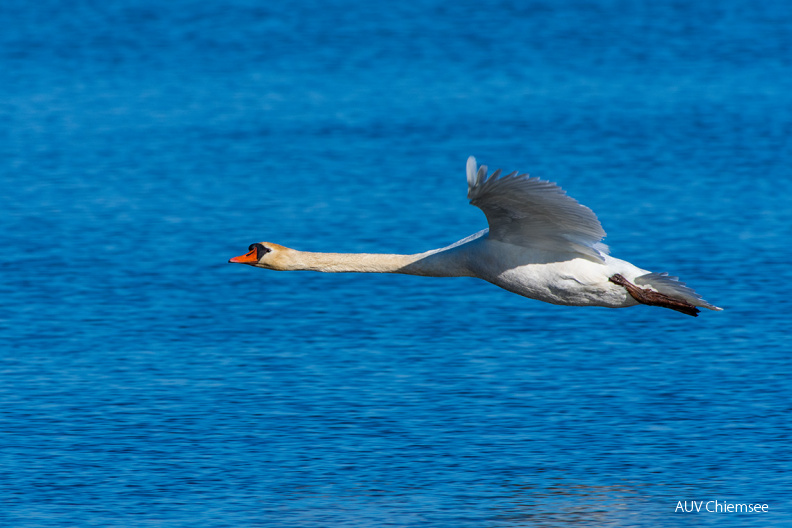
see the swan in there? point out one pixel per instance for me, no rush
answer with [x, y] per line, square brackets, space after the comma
[541, 244]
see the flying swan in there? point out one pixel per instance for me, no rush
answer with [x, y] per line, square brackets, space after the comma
[541, 244]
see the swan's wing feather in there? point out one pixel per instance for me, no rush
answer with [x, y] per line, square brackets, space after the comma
[534, 213]
[673, 287]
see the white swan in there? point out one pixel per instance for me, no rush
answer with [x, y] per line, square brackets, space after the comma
[540, 244]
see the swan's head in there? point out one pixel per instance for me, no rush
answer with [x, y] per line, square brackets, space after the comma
[266, 255]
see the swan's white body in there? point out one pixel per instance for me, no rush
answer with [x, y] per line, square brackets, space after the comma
[540, 244]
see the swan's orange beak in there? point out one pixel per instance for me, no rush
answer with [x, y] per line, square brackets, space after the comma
[248, 258]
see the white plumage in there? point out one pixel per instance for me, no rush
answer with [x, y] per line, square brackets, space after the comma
[540, 244]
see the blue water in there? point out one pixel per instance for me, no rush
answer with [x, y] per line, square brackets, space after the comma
[146, 382]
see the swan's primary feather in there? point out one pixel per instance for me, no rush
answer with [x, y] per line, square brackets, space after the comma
[673, 287]
[534, 213]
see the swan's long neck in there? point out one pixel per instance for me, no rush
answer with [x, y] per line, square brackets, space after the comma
[435, 263]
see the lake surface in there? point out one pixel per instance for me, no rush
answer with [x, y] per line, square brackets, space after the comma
[146, 382]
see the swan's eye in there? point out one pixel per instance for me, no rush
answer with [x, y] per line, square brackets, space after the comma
[261, 249]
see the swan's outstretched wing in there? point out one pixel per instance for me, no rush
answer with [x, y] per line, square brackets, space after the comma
[533, 213]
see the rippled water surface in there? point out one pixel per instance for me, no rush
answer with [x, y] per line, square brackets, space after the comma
[146, 382]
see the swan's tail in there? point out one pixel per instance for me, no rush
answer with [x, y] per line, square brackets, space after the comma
[673, 287]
